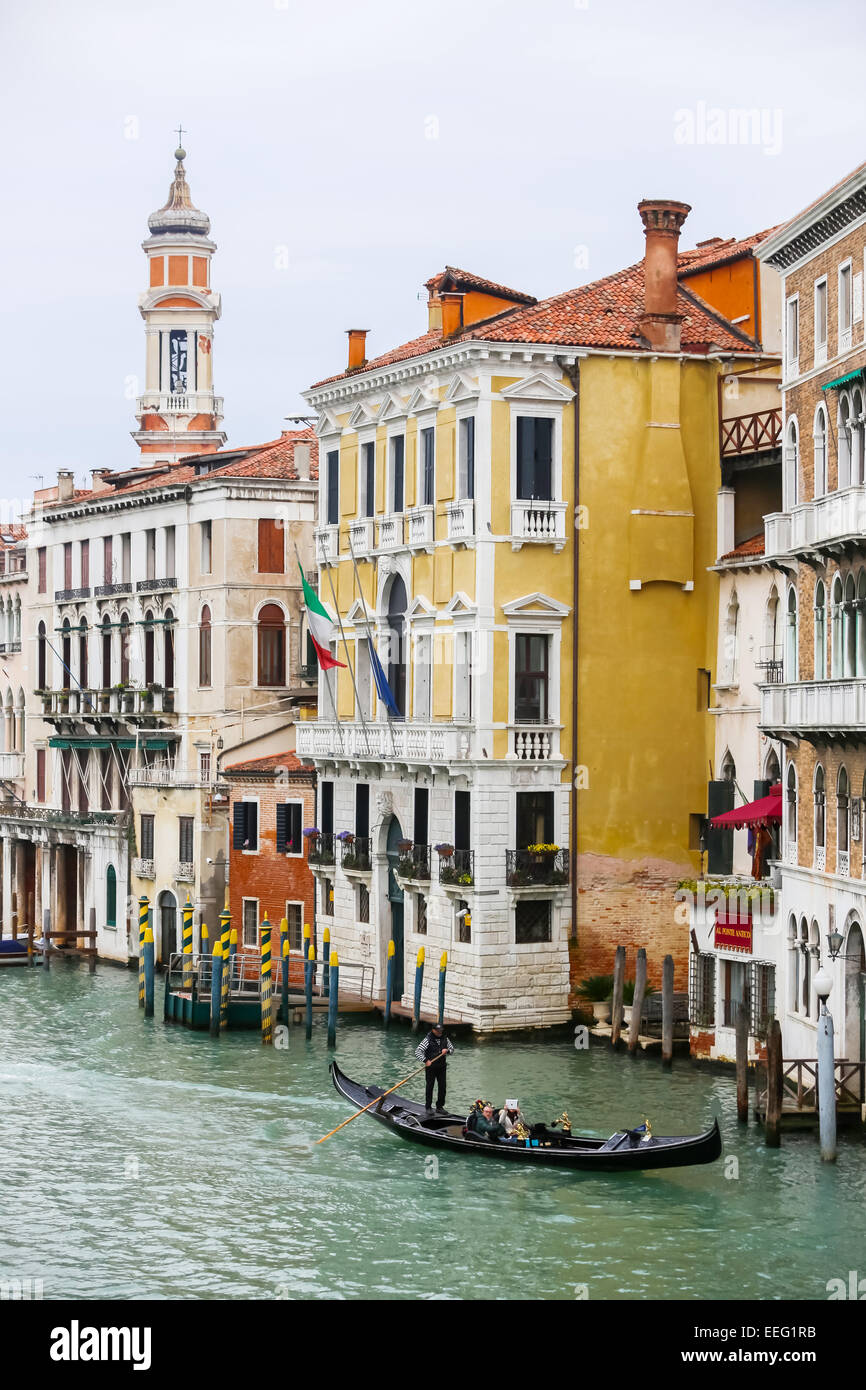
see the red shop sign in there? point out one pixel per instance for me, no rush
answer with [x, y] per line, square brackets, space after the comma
[734, 931]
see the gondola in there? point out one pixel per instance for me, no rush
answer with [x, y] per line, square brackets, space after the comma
[626, 1150]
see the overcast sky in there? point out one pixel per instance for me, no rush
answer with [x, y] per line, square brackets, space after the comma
[345, 152]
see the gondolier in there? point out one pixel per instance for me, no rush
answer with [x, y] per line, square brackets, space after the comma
[433, 1052]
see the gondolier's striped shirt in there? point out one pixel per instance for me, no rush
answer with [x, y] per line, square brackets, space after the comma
[432, 1046]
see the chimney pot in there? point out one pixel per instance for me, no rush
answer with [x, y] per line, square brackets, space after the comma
[65, 484]
[662, 219]
[452, 313]
[357, 347]
[302, 460]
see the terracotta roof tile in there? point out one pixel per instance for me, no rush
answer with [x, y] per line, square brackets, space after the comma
[751, 547]
[452, 278]
[12, 535]
[718, 251]
[271, 763]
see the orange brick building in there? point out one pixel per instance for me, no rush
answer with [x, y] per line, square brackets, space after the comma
[272, 800]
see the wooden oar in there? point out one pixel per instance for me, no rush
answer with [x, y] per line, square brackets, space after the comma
[376, 1100]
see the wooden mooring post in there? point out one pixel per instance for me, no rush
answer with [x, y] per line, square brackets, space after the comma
[389, 983]
[226, 974]
[443, 967]
[637, 1001]
[772, 1122]
[216, 988]
[267, 1014]
[333, 999]
[742, 1059]
[309, 969]
[616, 1007]
[419, 981]
[326, 960]
[667, 1011]
[148, 971]
[284, 977]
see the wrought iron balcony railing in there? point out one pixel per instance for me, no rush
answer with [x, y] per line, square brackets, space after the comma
[414, 863]
[355, 854]
[123, 586]
[457, 868]
[321, 848]
[526, 868]
[67, 595]
[152, 586]
[309, 671]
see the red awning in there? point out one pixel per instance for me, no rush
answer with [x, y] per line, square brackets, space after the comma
[769, 808]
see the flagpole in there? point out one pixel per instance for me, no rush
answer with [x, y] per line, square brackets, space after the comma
[367, 624]
[327, 682]
[358, 704]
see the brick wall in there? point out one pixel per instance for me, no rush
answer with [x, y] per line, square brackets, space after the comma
[272, 879]
[629, 903]
[805, 760]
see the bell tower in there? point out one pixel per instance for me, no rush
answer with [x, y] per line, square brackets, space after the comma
[179, 413]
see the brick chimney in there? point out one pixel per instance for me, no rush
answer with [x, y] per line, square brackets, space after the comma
[301, 455]
[452, 313]
[662, 220]
[357, 347]
[434, 313]
[65, 485]
[98, 483]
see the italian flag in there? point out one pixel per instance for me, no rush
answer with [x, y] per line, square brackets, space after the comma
[321, 627]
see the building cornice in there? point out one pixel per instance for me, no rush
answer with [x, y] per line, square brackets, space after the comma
[825, 220]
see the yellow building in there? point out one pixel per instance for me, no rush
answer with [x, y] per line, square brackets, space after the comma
[452, 470]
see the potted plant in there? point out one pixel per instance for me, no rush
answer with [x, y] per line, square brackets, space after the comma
[628, 998]
[596, 990]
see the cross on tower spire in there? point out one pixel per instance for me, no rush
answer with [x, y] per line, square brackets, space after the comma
[180, 134]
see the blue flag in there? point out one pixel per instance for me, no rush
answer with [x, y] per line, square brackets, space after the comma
[383, 689]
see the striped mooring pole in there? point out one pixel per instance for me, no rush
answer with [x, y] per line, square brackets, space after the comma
[148, 972]
[443, 967]
[309, 967]
[267, 1016]
[204, 939]
[187, 943]
[389, 983]
[216, 989]
[419, 980]
[143, 908]
[233, 941]
[284, 975]
[333, 999]
[326, 960]
[225, 945]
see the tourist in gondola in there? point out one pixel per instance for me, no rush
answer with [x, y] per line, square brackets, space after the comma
[433, 1052]
[486, 1125]
[511, 1117]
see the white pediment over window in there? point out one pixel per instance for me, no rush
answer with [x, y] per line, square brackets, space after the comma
[328, 423]
[462, 388]
[538, 387]
[535, 606]
[362, 415]
[421, 400]
[460, 605]
[393, 407]
[357, 614]
[420, 610]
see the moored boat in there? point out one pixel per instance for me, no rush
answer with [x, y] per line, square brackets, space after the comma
[626, 1150]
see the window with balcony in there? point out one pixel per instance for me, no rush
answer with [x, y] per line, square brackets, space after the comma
[792, 464]
[821, 321]
[534, 458]
[204, 647]
[820, 626]
[170, 555]
[271, 632]
[819, 442]
[332, 487]
[67, 565]
[126, 557]
[124, 649]
[168, 650]
[846, 306]
[82, 654]
[271, 551]
[427, 480]
[367, 499]
[820, 818]
[843, 445]
[85, 564]
[40, 775]
[531, 677]
[791, 636]
[150, 554]
[466, 459]
[41, 658]
[397, 604]
[326, 808]
[107, 559]
[149, 649]
[397, 470]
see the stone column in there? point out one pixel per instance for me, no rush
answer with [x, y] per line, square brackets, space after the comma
[7, 886]
[21, 882]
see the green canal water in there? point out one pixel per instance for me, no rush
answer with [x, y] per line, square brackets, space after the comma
[144, 1161]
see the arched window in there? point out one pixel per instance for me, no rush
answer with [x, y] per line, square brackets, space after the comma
[204, 647]
[791, 636]
[168, 650]
[82, 654]
[857, 426]
[149, 649]
[110, 897]
[837, 655]
[271, 629]
[106, 653]
[20, 743]
[820, 818]
[124, 649]
[397, 605]
[843, 448]
[16, 621]
[41, 658]
[728, 768]
[820, 632]
[807, 967]
[819, 440]
[794, 957]
[771, 649]
[843, 814]
[731, 654]
[66, 650]
[792, 464]
[860, 624]
[772, 772]
[8, 724]
[791, 823]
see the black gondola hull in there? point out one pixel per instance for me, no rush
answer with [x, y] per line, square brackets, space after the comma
[621, 1153]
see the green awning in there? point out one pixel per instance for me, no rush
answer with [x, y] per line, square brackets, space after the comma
[843, 380]
[150, 743]
[79, 743]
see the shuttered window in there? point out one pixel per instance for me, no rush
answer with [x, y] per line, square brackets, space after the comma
[398, 465]
[245, 825]
[85, 564]
[272, 645]
[333, 487]
[534, 458]
[204, 647]
[110, 897]
[294, 917]
[40, 774]
[146, 837]
[271, 547]
[185, 826]
[289, 828]
[43, 568]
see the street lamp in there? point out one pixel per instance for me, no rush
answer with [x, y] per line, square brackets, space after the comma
[834, 944]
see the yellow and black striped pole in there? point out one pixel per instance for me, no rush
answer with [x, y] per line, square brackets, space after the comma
[443, 967]
[309, 971]
[216, 985]
[187, 943]
[326, 961]
[389, 984]
[267, 1017]
[225, 943]
[143, 907]
[284, 968]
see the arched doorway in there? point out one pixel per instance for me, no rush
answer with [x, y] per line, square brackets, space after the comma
[167, 926]
[395, 903]
[397, 605]
[855, 996]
